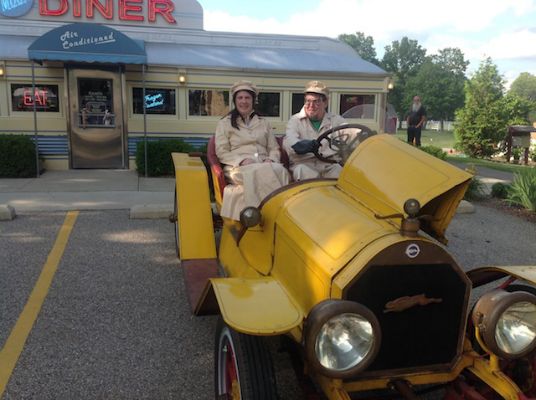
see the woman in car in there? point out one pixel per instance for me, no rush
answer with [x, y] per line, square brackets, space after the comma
[249, 151]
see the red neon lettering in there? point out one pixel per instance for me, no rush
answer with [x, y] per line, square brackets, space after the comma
[77, 8]
[28, 98]
[162, 7]
[128, 10]
[45, 10]
[40, 97]
[106, 11]
[126, 6]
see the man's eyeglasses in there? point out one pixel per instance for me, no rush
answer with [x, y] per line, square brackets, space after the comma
[313, 102]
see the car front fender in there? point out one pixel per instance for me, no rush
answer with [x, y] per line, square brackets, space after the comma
[484, 275]
[259, 306]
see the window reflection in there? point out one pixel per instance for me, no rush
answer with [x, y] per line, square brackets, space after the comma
[358, 106]
[95, 99]
[208, 102]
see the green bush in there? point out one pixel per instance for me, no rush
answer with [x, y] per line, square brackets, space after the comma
[434, 151]
[523, 189]
[17, 157]
[517, 153]
[500, 190]
[475, 191]
[159, 160]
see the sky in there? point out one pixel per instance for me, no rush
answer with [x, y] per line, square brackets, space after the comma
[504, 30]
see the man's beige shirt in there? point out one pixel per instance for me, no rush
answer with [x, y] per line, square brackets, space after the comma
[299, 128]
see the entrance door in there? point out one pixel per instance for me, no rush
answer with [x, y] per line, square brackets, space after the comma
[96, 119]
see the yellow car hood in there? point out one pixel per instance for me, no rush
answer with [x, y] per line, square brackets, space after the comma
[384, 172]
[328, 228]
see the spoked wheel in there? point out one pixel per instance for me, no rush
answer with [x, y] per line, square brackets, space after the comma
[243, 366]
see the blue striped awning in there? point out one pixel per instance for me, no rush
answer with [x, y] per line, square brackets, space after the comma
[84, 42]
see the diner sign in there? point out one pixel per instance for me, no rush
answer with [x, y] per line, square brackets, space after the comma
[15, 8]
[126, 10]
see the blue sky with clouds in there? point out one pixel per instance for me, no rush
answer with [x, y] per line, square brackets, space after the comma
[504, 30]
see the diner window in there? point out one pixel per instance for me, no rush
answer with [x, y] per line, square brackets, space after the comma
[297, 102]
[46, 98]
[360, 106]
[268, 104]
[208, 102]
[157, 101]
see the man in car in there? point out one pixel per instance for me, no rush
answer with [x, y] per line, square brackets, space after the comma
[304, 128]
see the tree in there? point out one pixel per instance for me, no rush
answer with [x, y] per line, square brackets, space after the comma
[451, 59]
[483, 121]
[524, 86]
[440, 82]
[363, 45]
[402, 58]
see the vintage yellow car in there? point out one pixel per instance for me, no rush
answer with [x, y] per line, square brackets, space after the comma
[355, 273]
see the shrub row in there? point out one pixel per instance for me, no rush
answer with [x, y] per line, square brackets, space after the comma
[434, 151]
[17, 156]
[159, 162]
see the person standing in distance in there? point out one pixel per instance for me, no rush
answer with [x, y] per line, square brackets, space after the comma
[304, 128]
[415, 120]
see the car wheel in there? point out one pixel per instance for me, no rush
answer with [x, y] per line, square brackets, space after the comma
[243, 366]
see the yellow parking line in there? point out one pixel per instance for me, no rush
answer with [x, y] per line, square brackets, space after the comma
[16, 340]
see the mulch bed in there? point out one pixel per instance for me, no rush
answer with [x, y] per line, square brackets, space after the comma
[514, 210]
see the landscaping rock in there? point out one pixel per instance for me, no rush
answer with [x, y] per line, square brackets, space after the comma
[7, 213]
[465, 208]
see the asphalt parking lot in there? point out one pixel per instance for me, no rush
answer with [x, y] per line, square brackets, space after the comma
[115, 322]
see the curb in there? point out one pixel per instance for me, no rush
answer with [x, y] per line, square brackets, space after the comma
[7, 213]
[151, 211]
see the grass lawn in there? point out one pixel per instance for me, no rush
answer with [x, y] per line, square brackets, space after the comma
[499, 166]
[442, 139]
[445, 139]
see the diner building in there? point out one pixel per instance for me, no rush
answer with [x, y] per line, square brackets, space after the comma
[89, 79]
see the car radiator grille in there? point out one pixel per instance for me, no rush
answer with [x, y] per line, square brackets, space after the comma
[423, 336]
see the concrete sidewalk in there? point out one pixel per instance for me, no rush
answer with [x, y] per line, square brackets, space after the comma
[116, 189]
[489, 176]
[88, 190]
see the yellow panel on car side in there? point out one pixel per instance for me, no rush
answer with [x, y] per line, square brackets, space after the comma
[194, 212]
[258, 306]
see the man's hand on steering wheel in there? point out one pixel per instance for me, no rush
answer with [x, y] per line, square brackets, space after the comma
[306, 146]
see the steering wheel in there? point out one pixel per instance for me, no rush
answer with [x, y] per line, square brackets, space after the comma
[342, 143]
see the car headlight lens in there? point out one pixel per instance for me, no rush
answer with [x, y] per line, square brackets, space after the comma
[344, 341]
[342, 338]
[516, 327]
[507, 322]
